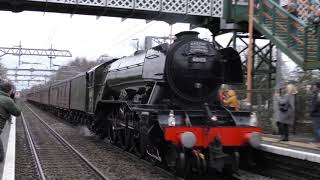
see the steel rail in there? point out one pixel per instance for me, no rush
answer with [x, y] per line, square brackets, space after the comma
[133, 156]
[233, 177]
[32, 147]
[64, 142]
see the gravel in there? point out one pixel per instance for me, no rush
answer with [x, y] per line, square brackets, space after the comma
[114, 163]
[57, 161]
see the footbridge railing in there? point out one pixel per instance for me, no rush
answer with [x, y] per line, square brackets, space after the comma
[295, 36]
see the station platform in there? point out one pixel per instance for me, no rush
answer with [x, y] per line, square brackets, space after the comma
[8, 137]
[298, 147]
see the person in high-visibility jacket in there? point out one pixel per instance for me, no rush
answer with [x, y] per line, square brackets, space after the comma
[232, 100]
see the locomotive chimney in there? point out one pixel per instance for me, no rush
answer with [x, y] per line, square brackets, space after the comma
[186, 34]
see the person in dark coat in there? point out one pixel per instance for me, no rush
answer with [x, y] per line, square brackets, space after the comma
[314, 17]
[315, 111]
[286, 111]
[7, 108]
[314, 20]
[292, 8]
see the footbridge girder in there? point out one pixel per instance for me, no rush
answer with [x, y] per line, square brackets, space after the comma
[170, 11]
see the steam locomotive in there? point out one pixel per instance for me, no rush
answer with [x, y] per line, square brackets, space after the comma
[162, 104]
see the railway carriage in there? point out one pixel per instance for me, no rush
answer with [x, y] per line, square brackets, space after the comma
[163, 104]
[79, 92]
[61, 98]
[44, 95]
[34, 96]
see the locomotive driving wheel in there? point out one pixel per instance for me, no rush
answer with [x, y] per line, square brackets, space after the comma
[113, 133]
[139, 143]
[140, 147]
[117, 128]
[128, 140]
[122, 128]
[129, 131]
[112, 127]
[99, 126]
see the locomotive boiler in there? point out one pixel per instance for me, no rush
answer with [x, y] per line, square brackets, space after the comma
[163, 105]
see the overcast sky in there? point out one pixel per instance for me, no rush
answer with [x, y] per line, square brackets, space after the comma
[83, 36]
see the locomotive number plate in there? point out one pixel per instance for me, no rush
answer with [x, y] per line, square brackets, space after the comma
[199, 60]
[198, 47]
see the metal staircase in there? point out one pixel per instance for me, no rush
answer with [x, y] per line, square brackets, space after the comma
[295, 36]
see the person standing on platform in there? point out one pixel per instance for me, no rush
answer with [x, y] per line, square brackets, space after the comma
[232, 100]
[7, 108]
[314, 18]
[286, 112]
[292, 8]
[315, 111]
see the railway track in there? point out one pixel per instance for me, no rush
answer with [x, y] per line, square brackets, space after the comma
[89, 146]
[283, 167]
[54, 156]
[128, 156]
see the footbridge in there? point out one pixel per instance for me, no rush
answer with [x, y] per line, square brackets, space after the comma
[170, 11]
[294, 35]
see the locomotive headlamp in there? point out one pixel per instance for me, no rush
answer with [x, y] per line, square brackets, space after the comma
[253, 119]
[198, 85]
[254, 139]
[188, 139]
[214, 118]
[171, 119]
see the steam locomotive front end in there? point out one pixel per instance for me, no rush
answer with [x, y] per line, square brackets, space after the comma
[203, 134]
[189, 68]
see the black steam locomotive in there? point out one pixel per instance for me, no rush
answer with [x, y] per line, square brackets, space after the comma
[162, 104]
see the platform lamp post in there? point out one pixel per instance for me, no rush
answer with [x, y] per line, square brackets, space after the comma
[250, 52]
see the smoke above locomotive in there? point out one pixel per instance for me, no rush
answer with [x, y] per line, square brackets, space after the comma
[187, 72]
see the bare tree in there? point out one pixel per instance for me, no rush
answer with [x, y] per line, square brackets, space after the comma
[73, 68]
[3, 73]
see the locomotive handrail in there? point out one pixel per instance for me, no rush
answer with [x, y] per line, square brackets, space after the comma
[146, 107]
[126, 67]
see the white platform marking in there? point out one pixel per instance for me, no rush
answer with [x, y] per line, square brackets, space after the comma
[9, 165]
[313, 157]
